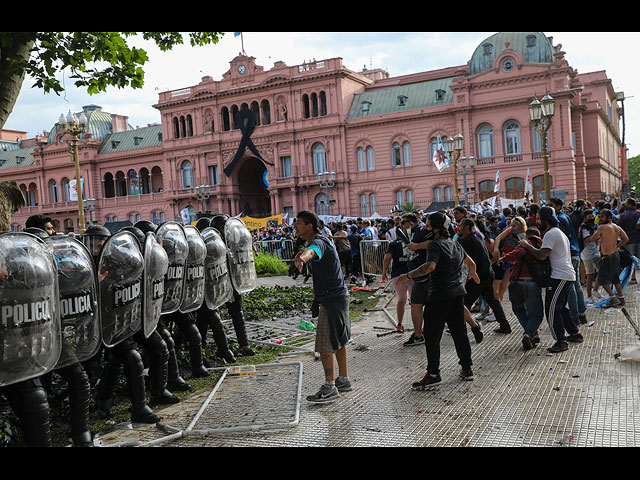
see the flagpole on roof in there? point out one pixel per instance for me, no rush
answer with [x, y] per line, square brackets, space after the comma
[236, 34]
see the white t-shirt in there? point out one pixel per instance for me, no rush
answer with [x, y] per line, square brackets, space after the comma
[560, 256]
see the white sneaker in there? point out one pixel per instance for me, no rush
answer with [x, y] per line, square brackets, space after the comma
[590, 300]
[490, 318]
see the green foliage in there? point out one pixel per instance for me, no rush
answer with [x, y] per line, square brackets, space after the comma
[96, 60]
[267, 264]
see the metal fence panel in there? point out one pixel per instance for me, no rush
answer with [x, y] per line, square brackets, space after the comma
[371, 256]
[282, 249]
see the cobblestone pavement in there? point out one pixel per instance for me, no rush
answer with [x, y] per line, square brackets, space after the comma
[586, 396]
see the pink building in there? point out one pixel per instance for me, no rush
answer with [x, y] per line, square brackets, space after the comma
[376, 132]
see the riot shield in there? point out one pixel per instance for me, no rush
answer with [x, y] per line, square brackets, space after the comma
[174, 242]
[193, 295]
[78, 302]
[120, 274]
[30, 331]
[240, 254]
[218, 288]
[156, 264]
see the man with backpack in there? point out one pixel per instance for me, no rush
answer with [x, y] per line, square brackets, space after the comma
[555, 246]
[528, 277]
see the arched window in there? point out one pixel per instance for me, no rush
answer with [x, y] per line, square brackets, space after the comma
[361, 159]
[512, 144]
[145, 185]
[515, 187]
[224, 113]
[433, 144]
[176, 128]
[234, 114]
[406, 151]
[485, 141]
[371, 162]
[538, 186]
[255, 108]
[314, 104]
[67, 191]
[396, 155]
[322, 204]
[319, 158]
[437, 194]
[266, 112]
[121, 185]
[323, 104]
[448, 194]
[189, 125]
[364, 205]
[134, 187]
[108, 185]
[187, 174]
[305, 105]
[183, 127]
[486, 189]
[536, 142]
[54, 191]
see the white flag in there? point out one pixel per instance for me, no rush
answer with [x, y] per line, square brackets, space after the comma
[186, 218]
[496, 186]
[440, 156]
[528, 187]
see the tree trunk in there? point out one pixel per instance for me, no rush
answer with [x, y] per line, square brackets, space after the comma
[13, 52]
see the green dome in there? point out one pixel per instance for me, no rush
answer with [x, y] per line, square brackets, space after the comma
[534, 46]
[98, 123]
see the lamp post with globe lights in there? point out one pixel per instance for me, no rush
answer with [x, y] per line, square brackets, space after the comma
[74, 127]
[541, 113]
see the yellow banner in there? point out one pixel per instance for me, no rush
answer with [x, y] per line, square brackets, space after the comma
[256, 223]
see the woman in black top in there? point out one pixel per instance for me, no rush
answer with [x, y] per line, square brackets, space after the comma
[396, 256]
[445, 301]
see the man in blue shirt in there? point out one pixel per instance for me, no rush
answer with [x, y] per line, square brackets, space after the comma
[331, 298]
[576, 296]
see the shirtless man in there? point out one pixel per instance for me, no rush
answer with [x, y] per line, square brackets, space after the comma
[609, 268]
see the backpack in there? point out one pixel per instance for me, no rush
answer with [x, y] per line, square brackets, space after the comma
[540, 269]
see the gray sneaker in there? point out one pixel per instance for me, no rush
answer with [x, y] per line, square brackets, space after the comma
[324, 395]
[343, 384]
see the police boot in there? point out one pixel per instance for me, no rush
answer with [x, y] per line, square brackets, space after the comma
[195, 351]
[79, 399]
[158, 373]
[140, 411]
[106, 386]
[175, 382]
[28, 400]
[241, 334]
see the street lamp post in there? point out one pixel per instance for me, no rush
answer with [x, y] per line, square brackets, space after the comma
[202, 194]
[327, 180]
[541, 112]
[74, 127]
[464, 173]
[90, 206]
[454, 146]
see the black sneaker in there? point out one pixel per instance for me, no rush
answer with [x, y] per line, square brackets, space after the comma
[535, 339]
[324, 395]
[427, 381]
[413, 340]
[503, 329]
[527, 342]
[576, 337]
[582, 319]
[558, 347]
[477, 333]
[621, 301]
[343, 384]
[466, 374]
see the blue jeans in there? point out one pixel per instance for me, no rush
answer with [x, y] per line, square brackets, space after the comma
[527, 305]
[576, 296]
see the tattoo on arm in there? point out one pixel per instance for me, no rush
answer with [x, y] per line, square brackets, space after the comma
[423, 269]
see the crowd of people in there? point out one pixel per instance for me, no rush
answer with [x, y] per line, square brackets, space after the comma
[553, 260]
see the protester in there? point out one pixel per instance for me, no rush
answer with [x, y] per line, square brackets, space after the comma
[396, 256]
[628, 221]
[608, 233]
[445, 300]
[331, 296]
[354, 243]
[555, 246]
[525, 294]
[589, 254]
[475, 248]
[344, 248]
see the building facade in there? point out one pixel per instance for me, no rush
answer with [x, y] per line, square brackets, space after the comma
[376, 132]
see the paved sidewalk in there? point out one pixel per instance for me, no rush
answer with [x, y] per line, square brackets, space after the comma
[582, 397]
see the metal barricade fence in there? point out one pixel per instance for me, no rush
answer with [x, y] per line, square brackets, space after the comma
[282, 249]
[371, 256]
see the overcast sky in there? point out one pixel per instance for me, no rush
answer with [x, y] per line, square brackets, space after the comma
[398, 53]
